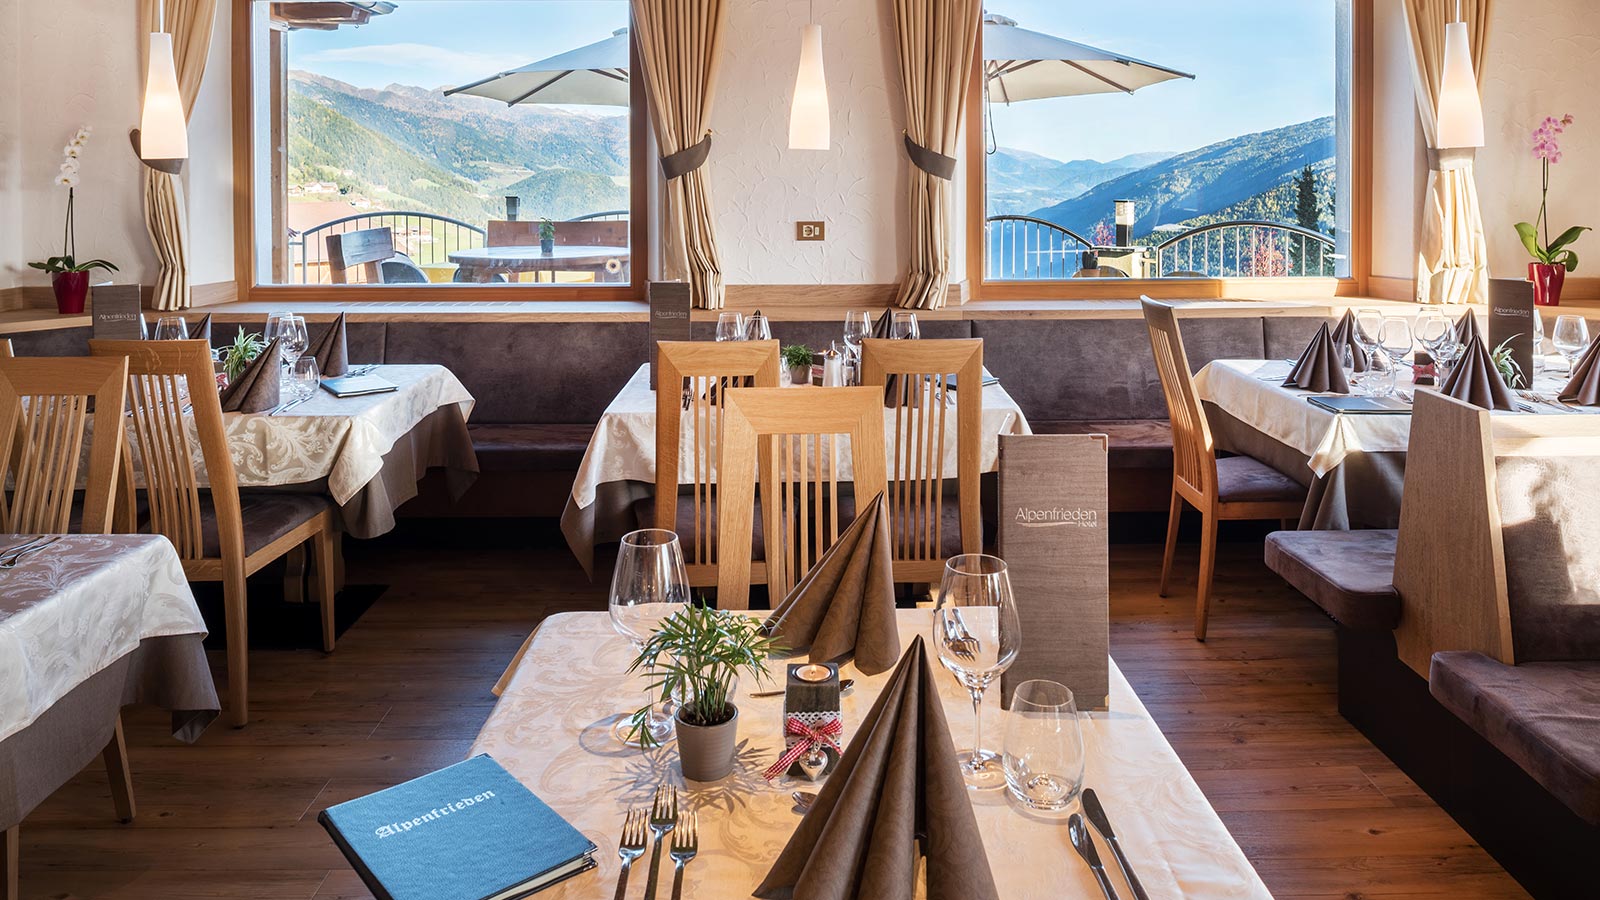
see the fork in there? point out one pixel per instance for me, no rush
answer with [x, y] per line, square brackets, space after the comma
[12, 559]
[634, 839]
[958, 638]
[685, 844]
[22, 547]
[663, 816]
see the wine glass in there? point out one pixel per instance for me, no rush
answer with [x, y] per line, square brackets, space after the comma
[977, 633]
[757, 328]
[273, 327]
[1432, 328]
[304, 377]
[1571, 338]
[1394, 337]
[171, 328]
[292, 338]
[904, 326]
[1044, 754]
[857, 328]
[648, 585]
[730, 326]
[1368, 321]
[1538, 343]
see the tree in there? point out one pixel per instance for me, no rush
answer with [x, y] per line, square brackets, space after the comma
[1307, 211]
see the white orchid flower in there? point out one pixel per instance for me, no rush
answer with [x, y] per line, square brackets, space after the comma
[71, 151]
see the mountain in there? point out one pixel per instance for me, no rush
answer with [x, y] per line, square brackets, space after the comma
[1200, 183]
[1020, 181]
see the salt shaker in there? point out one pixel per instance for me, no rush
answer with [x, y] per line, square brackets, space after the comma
[832, 368]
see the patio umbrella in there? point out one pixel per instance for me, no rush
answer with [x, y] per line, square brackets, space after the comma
[594, 75]
[1026, 65]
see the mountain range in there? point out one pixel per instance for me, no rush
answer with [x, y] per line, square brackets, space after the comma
[1020, 182]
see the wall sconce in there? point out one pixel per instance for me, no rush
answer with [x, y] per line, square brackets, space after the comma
[809, 127]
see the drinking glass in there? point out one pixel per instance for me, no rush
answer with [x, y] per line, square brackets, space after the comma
[1571, 338]
[1432, 329]
[730, 326]
[304, 378]
[904, 326]
[977, 633]
[292, 338]
[1368, 321]
[857, 328]
[1538, 343]
[757, 328]
[648, 585]
[1394, 337]
[1043, 746]
[273, 327]
[171, 328]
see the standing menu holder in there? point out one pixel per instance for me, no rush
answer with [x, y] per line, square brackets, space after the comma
[1511, 316]
[118, 313]
[1053, 537]
[669, 316]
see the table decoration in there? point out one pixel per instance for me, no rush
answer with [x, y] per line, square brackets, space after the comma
[1552, 259]
[258, 387]
[1346, 334]
[69, 279]
[813, 723]
[797, 363]
[331, 351]
[844, 605]
[1320, 367]
[1476, 380]
[896, 794]
[1584, 385]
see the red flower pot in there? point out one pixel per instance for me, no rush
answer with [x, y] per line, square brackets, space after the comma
[1547, 280]
[71, 288]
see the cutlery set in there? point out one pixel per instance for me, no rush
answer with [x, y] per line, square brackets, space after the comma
[1078, 833]
[10, 556]
[660, 820]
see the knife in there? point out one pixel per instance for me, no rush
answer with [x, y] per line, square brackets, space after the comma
[1085, 847]
[1097, 818]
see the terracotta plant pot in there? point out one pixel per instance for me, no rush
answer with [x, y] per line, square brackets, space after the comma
[706, 751]
[1547, 280]
[71, 289]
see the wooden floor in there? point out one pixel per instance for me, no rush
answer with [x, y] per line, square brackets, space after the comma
[1316, 808]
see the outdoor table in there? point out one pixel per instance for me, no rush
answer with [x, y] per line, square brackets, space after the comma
[609, 264]
[551, 730]
[619, 465]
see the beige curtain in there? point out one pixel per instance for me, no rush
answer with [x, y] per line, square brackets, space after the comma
[189, 22]
[937, 41]
[680, 44]
[1452, 254]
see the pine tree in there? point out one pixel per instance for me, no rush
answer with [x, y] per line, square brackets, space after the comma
[1306, 209]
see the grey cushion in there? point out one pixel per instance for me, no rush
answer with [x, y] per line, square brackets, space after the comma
[1132, 444]
[51, 342]
[1550, 510]
[268, 515]
[1241, 479]
[1350, 574]
[530, 448]
[1543, 716]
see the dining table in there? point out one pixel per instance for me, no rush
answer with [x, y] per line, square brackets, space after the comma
[479, 264]
[551, 729]
[619, 465]
[1353, 464]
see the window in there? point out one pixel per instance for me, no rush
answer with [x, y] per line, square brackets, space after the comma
[1175, 139]
[467, 143]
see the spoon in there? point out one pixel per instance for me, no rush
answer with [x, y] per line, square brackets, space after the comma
[803, 800]
[844, 688]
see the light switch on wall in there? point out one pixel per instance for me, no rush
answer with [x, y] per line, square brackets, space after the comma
[810, 231]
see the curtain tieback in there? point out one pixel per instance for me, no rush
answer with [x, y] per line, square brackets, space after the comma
[1450, 159]
[936, 164]
[688, 159]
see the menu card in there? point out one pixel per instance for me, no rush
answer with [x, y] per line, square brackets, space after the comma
[118, 314]
[1053, 537]
[669, 316]
[1511, 316]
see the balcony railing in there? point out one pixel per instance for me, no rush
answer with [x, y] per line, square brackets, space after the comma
[426, 238]
[1023, 248]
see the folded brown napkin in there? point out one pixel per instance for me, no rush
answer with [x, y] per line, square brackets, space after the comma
[1321, 367]
[1476, 380]
[1467, 328]
[897, 783]
[1584, 385]
[332, 351]
[845, 604]
[1344, 334]
[893, 390]
[256, 388]
[201, 330]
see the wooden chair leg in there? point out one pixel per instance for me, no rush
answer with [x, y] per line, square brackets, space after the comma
[1173, 516]
[294, 575]
[323, 554]
[11, 863]
[1208, 566]
[238, 628]
[117, 771]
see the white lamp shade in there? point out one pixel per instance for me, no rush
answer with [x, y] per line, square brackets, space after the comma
[163, 133]
[1460, 107]
[1124, 210]
[808, 115]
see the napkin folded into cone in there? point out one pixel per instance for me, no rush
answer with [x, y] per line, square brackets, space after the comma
[332, 351]
[1467, 328]
[201, 330]
[1584, 385]
[1344, 334]
[898, 783]
[894, 392]
[845, 604]
[257, 387]
[1476, 380]
[1321, 367]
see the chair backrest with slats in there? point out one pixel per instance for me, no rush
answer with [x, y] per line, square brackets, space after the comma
[44, 416]
[793, 436]
[174, 408]
[1194, 461]
[925, 438]
[362, 250]
[691, 376]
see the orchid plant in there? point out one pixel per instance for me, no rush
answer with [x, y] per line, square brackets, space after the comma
[1547, 149]
[68, 178]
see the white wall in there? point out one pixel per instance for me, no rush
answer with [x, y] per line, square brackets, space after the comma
[10, 146]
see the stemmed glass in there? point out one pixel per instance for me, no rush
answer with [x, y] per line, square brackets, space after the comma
[904, 326]
[977, 633]
[1368, 321]
[1044, 746]
[857, 328]
[1394, 337]
[757, 328]
[171, 328]
[1433, 329]
[648, 585]
[730, 326]
[1571, 338]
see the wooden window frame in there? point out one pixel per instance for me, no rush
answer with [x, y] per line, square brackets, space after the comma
[246, 251]
[1360, 175]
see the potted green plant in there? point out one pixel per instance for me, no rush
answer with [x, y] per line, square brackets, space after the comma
[797, 362]
[1552, 259]
[697, 655]
[1506, 365]
[68, 277]
[240, 354]
[547, 237]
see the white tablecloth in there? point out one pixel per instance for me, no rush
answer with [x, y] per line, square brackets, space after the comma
[76, 607]
[551, 730]
[624, 444]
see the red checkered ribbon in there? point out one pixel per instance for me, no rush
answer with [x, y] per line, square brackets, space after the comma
[810, 738]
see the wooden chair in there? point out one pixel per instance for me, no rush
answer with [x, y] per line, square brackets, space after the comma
[219, 535]
[793, 434]
[367, 250]
[919, 533]
[696, 372]
[1230, 489]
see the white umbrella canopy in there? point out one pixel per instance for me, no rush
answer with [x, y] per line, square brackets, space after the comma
[1020, 64]
[593, 75]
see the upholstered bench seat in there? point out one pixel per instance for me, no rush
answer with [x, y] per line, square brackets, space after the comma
[530, 448]
[1350, 574]
[1543, 716]
[1132, 443]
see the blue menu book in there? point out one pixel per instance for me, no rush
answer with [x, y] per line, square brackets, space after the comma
[467, 832]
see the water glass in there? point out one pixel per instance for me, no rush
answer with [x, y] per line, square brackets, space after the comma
[1571, 338]
[304, 378]
[730, 326]
[1394, 337]
[757, 328]
[648, 585]
[1368, 321]
[904, 326]
[1044, 754]
[977, 633]
[171, 328]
